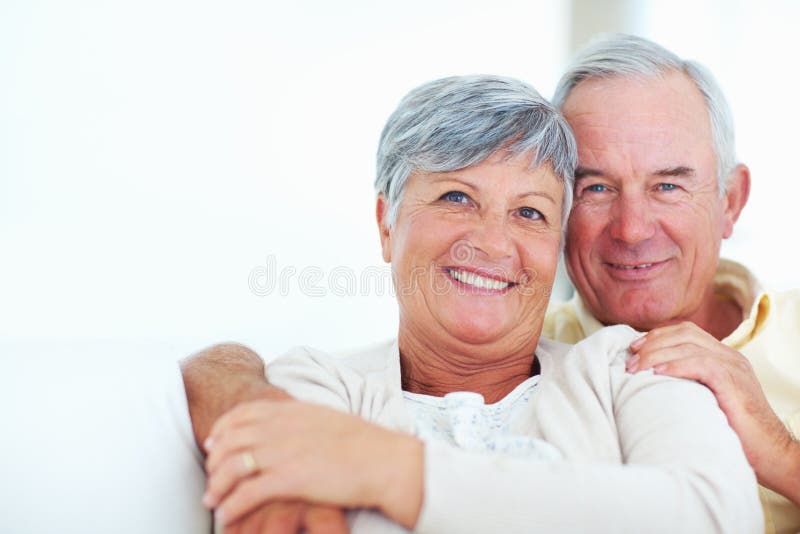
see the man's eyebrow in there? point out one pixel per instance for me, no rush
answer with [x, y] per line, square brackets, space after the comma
[680, 170]
[584, 172]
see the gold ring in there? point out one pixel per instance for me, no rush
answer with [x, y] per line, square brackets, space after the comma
[249, 462]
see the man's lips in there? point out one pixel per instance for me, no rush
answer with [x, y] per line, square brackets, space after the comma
[635, 271]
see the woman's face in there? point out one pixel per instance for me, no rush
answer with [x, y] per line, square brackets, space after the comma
[474, 251]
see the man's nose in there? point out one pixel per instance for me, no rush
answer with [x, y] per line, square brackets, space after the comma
[633, 220]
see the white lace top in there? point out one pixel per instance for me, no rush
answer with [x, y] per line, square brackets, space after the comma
[464, 420]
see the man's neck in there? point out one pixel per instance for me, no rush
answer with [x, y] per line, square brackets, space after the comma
[719, 316]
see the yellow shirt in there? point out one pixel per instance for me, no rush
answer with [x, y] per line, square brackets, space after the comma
[769, 336]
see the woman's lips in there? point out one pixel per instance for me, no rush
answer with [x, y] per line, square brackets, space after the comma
[479, 283]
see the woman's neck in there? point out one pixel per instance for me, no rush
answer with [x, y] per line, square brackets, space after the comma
[493, 370]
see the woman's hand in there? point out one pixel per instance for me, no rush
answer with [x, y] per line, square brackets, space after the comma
[264, 450]
[687, 351]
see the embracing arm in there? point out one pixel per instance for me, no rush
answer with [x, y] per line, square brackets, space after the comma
[220, 377]
[683, 469]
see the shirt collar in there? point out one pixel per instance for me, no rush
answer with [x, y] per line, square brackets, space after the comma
[732, 280]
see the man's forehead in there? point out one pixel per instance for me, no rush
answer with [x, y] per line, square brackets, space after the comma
[667, 95]
[659, 115]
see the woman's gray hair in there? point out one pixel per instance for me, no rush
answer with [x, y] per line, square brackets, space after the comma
[456, 122]
[629, 56]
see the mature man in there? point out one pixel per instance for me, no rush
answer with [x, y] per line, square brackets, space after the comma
[657, 189]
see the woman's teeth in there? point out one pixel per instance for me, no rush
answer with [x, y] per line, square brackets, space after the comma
[477, 280]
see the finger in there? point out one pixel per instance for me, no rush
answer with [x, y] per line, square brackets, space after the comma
[249, 524]
[229, 472]
[282, 517]
[249, 495]
[691, 368]
[647, 358]
[242, 414]
[235, 442]
[672, 335]
[320, 519]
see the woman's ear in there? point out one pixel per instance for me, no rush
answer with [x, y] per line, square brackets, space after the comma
[381, 214]
[736, 195]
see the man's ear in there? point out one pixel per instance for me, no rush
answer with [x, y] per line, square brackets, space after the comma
[381, 214]
[736, 196]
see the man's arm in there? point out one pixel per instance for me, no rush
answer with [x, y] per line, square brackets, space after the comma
[220, 377]
[216, 380]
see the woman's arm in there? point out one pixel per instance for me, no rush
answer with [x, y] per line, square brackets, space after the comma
[683, 470]
[299, 450]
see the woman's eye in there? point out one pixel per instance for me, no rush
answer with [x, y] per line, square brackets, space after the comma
[667, 187]
[530, 213]
[455, 196]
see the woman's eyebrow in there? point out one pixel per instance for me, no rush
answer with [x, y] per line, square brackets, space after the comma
[541, 194]
[455, 178]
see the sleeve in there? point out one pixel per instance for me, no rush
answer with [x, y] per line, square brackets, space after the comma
[683, 470]
[313, 376]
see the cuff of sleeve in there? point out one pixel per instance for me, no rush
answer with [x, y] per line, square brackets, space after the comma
[453, 502]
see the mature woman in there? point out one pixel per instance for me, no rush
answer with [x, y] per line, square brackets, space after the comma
[468, 421]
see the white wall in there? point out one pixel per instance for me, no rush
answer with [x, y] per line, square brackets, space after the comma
[154, 153]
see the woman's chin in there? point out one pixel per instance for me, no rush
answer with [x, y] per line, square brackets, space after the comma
[479, 332]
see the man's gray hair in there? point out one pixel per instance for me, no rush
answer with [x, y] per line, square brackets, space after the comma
[453, 123]
[629, 56]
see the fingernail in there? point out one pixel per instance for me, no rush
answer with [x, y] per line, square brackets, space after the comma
[637, 343]
[208, 500]
[219, 517]
[660, 367]
[633, 364]
[208, 443]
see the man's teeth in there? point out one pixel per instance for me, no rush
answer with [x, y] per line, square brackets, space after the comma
[640, 266]
[477, 280]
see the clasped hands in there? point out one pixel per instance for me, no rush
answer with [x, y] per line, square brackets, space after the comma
[283, 466]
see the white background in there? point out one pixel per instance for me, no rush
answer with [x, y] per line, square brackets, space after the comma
[153, 155]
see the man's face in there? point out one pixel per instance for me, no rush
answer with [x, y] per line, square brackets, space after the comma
[645, 230]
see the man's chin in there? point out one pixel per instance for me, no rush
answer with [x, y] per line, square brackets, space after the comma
[640, 320]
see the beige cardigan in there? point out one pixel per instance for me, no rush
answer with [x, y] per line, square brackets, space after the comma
[643, 453]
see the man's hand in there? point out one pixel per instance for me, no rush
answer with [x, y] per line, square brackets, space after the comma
[687, 351]
[265, 450]
[216, 380]
[290, 518]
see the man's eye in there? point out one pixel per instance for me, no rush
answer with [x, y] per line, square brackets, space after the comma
[667, 187]
[455, 196]
[530, 213]
[596, 188]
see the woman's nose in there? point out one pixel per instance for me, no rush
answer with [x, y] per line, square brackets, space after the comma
[491, 237]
